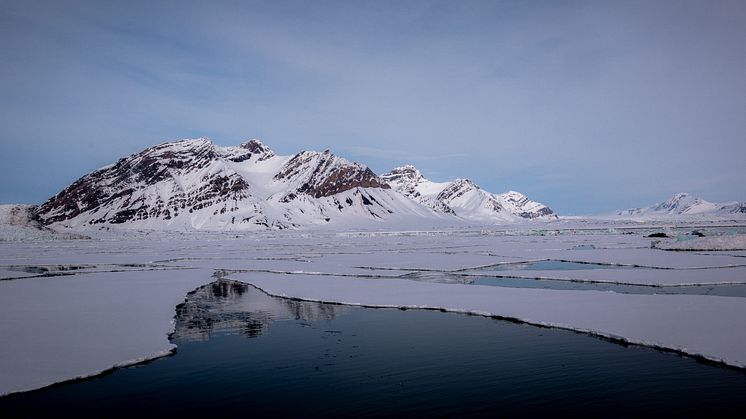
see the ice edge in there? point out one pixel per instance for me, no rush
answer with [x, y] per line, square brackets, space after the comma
[606, 336]
[169, 351]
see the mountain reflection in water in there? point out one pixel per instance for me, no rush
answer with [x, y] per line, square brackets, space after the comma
[231, 307]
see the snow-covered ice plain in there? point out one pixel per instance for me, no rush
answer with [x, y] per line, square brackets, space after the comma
[75, 308]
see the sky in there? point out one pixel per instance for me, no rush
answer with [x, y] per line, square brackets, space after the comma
[585, 106]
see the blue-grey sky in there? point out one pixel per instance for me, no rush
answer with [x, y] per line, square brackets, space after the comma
[585, 106]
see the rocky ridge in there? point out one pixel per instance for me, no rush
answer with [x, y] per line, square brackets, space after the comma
[464, 198]
[195, 184]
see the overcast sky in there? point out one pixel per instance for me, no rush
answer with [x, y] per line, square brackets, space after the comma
[585, 106]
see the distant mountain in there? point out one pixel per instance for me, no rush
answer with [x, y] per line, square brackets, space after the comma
[686, 205]
[196, 184]
[463, 198]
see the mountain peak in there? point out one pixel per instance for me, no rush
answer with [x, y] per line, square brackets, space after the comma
[254, 145]
[325, 174]
[184, 143]
[681, 196]
[254, 148]
[681, 203]
[464, 198]
[465, 183]
[685, 204]
[407, 173]
[456, 189]
[195, 183]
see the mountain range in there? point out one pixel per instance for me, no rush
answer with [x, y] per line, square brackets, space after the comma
[686, 205]
[195, 184]
[464, 198]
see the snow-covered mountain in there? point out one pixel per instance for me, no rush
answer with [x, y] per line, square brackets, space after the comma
[684, 204]
[196, 184]
[464, 198]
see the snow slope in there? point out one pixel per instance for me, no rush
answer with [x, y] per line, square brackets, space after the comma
[194, 184]
[19, 223]
[60, 328]
[464, 198]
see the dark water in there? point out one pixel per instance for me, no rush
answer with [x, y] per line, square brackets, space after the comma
[727, 290]
[724, 290]
[242, 352]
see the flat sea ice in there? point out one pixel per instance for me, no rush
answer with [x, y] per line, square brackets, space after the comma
[60, 328]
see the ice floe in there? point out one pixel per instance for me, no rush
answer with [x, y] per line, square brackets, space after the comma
[73, 308]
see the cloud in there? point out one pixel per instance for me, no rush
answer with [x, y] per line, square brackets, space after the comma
[576, 103]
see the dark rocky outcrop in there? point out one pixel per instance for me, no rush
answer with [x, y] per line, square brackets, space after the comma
[116, 190]
[324, 174]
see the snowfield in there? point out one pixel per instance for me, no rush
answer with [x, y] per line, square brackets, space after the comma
[59, 328]
[735, 242]
[75, 308]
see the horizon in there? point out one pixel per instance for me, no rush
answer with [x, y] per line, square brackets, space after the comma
[379, 173]
[577, 105]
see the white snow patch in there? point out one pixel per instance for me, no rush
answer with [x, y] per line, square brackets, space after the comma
[62, 328]
[733, 242]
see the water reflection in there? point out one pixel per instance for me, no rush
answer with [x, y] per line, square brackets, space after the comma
[724, 290]
[231, 307]
[385, 362]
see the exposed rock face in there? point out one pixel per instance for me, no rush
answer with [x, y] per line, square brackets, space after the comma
[519, 204]
[188, 184]
[406, 180]
[249, 149]
[196, 184]
[457, 189]
[407, 176]
[324, 174]
[464, 198]
[159, 182]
